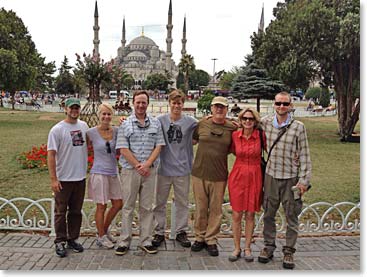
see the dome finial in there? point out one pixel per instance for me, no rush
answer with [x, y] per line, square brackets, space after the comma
[142, 31]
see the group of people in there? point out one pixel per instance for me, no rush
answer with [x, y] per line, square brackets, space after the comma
[157, 154]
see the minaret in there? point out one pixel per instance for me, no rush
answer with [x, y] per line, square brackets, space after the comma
[169, 38]
[123, 40]
[184, 40]
[261, 24]
[96, 32]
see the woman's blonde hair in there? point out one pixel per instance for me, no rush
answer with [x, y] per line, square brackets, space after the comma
[254, 113]
[106, 106]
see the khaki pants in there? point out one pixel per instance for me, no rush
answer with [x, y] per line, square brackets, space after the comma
[181, 186]
[133, 184]
[208, 212]
[278, 191]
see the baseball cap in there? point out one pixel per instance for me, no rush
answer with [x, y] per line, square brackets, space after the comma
[72, 101]
[220, 100]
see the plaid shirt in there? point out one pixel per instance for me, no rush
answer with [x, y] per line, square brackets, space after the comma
[290, 157]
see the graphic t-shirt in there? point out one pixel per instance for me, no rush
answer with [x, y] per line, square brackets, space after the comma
[70, 143]
[177, 156]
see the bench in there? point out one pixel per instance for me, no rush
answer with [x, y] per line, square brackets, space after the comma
[189, 110]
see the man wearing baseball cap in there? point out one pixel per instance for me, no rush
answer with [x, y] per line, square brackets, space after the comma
[210, 173]
[67, 166]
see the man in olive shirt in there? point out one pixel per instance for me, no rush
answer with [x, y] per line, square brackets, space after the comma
[210, 173]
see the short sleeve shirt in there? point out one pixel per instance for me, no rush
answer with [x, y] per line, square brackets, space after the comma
[211, 160]
[69, 142]
[140, 140]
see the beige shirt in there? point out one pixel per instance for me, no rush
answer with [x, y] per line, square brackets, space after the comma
[211, 160]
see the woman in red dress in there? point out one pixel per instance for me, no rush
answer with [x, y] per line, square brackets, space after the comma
[245, 180]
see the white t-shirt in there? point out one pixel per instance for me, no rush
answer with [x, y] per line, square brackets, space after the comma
[70, 143]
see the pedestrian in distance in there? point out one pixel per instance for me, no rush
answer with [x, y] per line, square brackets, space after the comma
[140, 140]
[245, 180]
[175, 169]
[67, 164]
[210, 173]
[104, 182]
[287, 177]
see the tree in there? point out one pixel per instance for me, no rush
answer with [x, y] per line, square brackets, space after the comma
[157, 81]
[226, 80]
[44, 77]
[322, 37]
[118, 77]
[20, 61]
[65, 81]
[94, 71]
[198, 78]
[186, 66]
[253, 82]
[205, 101]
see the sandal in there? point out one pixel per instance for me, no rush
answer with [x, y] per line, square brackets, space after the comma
[233, 257]
[248, 257]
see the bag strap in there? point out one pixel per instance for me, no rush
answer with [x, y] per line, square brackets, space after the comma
[262, 143]
[280, 134]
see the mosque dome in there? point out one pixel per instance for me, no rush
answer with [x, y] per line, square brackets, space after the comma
[136, 56]
[142, 40]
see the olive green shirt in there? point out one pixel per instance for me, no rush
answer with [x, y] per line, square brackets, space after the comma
[211, 159]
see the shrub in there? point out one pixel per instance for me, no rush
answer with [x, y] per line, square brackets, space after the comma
[36, 158]
[324, 98]
[205, 101]
[313, 93]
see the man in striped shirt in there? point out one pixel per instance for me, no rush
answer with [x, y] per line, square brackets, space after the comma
[140, 140]
[287, 176]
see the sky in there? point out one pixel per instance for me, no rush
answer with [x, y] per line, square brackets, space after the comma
[218, 29]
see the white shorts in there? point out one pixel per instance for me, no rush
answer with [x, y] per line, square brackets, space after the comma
[102, 188]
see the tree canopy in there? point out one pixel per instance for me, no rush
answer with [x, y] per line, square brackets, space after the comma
[317, 39]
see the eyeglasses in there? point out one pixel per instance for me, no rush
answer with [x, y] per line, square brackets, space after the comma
[108, 147]
[217, 132]
[285, 104]
[247, 118]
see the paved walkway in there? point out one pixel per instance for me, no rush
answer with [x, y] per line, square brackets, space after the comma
[36, 252]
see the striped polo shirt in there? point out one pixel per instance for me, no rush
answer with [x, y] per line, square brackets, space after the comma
[140, 140]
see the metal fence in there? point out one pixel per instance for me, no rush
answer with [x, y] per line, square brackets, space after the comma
[38, 215]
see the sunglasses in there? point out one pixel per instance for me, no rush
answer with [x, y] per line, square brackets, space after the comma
[285, 104]
[247, 118]
[218, 132]
[146, 125]
[108, 147]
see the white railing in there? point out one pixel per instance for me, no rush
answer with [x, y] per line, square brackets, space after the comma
[38, 215]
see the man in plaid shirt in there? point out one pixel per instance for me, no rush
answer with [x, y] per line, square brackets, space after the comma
[289, 166]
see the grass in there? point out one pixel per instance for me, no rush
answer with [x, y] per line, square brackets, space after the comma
[335, 174]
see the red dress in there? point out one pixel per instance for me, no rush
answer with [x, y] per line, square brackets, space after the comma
[245, 179]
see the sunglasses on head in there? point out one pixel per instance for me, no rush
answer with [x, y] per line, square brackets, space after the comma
[218, 132]
[244, 118]
[285, 104]
[108, 147]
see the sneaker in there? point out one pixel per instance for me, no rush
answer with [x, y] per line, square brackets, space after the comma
[150, 249]
[183, 240]
[198, 246]
[212, 250]
[288, 262]
[157, 240]
[60, 249]
[75, 246]
[104, 242]
[111, 238]
[121, 250]
[265, 255]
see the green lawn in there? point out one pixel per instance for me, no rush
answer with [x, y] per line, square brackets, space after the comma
[336, 166]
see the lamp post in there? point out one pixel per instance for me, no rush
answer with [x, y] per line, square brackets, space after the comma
[214, 59]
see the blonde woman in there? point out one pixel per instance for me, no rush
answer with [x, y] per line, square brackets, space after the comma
[104, 183]
[245, 180]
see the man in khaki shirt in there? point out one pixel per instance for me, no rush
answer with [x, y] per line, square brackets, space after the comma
[210, 173]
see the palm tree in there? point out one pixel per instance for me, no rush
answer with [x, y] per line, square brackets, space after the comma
[186, 66]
